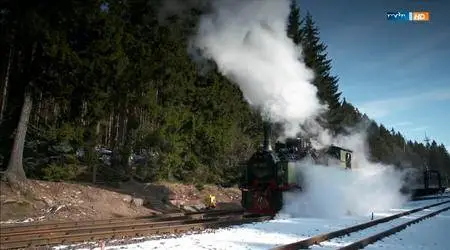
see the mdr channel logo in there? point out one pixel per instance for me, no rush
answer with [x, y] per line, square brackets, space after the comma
[409, 16]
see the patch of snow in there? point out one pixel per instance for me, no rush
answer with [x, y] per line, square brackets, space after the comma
[28, 220]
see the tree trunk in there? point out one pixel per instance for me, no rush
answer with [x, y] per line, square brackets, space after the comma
[132, 117]
[38, 111]
[109, 132]
[15, 172]
[94, 164]
[119, 146]
[5, 85]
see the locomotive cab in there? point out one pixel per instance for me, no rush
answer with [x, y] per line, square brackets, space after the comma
[344, 156]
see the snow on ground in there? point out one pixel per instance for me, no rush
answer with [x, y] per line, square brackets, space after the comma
[280, 231]
[41, 218]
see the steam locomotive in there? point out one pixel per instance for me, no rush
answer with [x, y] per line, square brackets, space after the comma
[268, 173]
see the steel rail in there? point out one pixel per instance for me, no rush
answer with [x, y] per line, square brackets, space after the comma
[339, 233]
[6, 229]
[379, 236]
[34, 234]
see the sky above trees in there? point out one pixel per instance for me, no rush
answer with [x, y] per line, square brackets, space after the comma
[395, 72]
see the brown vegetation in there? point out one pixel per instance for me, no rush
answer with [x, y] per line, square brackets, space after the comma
[59, 201]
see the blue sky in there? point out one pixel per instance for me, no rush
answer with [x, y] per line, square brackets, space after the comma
[396, 72]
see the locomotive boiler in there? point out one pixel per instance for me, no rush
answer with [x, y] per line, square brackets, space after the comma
[270, 172]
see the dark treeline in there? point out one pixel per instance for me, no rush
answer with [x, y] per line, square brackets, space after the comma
[80, 76]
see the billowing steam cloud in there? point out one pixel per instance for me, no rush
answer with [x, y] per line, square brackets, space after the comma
[331, 191]
[247, 39]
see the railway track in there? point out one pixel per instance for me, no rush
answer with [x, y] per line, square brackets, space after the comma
[48, 234]
[359, 244]
[436, 197]
[161, 217]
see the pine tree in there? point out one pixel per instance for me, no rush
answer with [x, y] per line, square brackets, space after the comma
[294, 25]
[350, 115]
[111, 74]
[315, 56]
[39, 42]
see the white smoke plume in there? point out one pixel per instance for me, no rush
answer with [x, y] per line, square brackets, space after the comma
[335, 192]
[332, 191]
[247, 39]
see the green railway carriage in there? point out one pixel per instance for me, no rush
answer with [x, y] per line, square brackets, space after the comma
[343, 155]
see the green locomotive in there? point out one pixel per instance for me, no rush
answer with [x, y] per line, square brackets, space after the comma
[268, 173]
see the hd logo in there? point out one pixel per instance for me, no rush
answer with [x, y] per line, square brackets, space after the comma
[417, 16]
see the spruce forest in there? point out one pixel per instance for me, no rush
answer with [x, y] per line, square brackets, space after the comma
[105, 91]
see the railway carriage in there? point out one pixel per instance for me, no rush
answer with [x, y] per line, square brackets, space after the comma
[420, 183]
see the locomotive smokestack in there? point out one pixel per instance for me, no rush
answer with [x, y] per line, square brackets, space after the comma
[267, 134]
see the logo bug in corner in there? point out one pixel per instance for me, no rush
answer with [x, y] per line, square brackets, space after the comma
[420, 16]
[409, 16]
